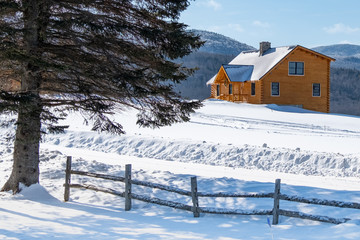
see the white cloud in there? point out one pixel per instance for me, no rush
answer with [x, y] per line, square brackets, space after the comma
[340, 28]
[345, 42]
[211, 4]
[261, 24]
[214, 4]
[236, 27]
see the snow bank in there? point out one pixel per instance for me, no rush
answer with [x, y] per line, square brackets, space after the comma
[249, 157]
[36, 193]
[266, 137]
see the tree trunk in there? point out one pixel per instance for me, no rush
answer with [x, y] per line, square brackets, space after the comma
[27, 139]
[26, 148]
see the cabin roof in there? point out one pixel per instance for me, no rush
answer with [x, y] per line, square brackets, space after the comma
[239, 73]
[261, 63]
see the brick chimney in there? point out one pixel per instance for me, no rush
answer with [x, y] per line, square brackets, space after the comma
[264, 46]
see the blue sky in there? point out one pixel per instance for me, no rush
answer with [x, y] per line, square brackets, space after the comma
[309, 23]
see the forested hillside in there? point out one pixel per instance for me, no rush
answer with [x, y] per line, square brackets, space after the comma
[217, 50]
[208, 63]
[346, 55]
[345, 91]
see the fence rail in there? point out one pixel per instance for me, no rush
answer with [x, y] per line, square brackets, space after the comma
[234, 211]
[97, 175]
[161, 187]
[161, 202]
[313, 217]
[317, 201]
[98, 189]
[236, 195]
[194, 194]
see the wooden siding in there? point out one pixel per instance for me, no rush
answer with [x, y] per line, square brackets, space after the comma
[297, 89]
[241, 91]
[213, 91]
[258, 92]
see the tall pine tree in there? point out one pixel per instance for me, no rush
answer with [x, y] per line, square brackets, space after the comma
[93, 56]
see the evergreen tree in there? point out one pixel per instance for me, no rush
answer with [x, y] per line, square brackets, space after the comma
[93, 56]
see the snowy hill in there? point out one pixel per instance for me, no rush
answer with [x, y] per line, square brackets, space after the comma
[346, 55]
[339, 50]
[220, 44]
[230, 147]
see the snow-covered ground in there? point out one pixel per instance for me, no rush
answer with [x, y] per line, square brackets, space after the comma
[230, 147]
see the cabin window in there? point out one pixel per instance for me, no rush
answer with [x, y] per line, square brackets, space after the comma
[316, 90]
[275, 89]
[217, 90]
[252, 89]
[296, 68]
[230, 89]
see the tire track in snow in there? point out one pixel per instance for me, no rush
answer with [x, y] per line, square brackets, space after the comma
[271, 125]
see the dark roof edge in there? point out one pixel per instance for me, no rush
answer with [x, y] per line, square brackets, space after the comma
[315, 52]
[235, 65]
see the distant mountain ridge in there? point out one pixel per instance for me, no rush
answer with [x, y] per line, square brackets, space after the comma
[339, 50]
[346, 55]
[220, 44]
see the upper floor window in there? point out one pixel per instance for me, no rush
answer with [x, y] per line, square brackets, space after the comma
[275, 89]
[217, 90]
[296, 68]
[252, 89]
[230, 89]
[316, 90]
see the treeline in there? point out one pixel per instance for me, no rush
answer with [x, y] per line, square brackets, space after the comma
[208, 65]
[344, 90]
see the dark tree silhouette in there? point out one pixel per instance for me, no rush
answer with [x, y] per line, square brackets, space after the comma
[93, 56]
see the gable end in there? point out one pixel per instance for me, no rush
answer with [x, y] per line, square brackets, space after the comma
[298, 47]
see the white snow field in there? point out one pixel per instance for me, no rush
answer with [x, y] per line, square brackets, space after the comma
[230, 147]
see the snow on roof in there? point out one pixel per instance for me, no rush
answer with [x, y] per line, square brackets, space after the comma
[261, 64]
[239, 73]
[211, 80]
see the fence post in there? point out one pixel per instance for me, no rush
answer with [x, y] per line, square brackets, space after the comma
[67, 179]
[194, 196]
[127, 187]
[276, 202]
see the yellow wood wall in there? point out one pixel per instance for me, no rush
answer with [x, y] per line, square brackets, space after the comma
[297, 90]
[241, 92]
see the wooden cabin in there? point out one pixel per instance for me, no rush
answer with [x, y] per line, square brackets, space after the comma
[292, 75]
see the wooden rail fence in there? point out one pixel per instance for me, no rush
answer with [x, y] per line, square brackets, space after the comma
[194, 194]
